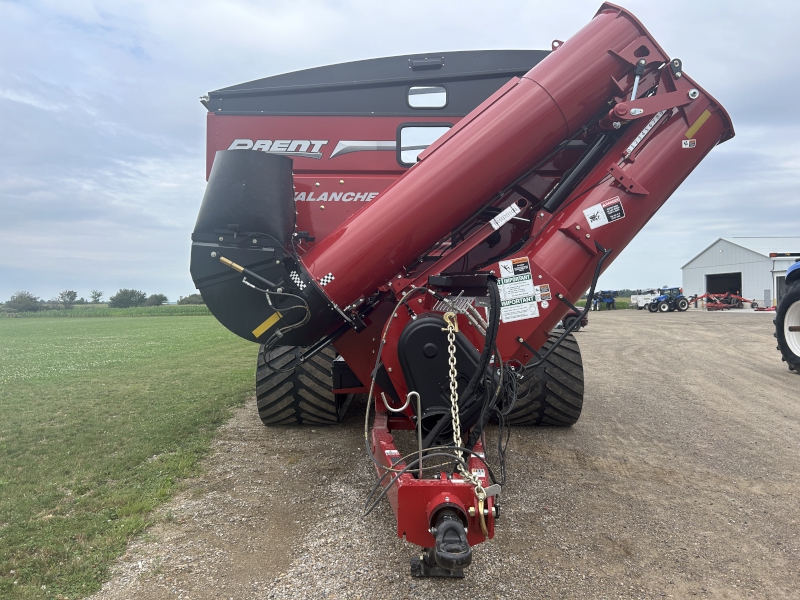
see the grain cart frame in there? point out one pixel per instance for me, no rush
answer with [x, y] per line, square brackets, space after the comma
[401, 288]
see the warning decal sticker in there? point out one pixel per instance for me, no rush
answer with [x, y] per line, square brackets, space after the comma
[542, 292]
[604, 213]
[517, 295]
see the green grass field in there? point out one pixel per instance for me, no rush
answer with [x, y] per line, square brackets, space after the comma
[91, 310]
[99, 421]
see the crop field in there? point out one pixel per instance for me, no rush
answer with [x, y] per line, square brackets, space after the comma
[90, 311]
[99, 421]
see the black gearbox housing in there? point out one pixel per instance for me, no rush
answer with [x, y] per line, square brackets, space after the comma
[423, 354]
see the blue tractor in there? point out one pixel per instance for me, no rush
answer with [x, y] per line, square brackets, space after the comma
[787, 320]
[605, 300]
[670, 299]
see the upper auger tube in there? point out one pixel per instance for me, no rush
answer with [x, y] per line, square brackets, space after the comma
[490, 147]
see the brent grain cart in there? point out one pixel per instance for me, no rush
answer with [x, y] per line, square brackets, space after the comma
[442, 292]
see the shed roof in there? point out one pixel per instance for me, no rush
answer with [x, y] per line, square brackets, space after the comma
[759, 245]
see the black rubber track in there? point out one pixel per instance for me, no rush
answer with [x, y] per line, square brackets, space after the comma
[552, 394]
[791, 296]
[302, 396]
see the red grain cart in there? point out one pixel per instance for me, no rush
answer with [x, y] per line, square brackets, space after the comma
[464, 229]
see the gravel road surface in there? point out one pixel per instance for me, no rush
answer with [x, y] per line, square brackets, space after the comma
[681, 479]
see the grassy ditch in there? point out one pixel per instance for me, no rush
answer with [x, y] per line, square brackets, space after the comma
[99, 421]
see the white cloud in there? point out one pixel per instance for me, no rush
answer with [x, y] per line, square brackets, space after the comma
[103, 136]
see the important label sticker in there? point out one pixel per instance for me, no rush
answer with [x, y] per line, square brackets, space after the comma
[517, 295]
[604, 213]
[688, 143]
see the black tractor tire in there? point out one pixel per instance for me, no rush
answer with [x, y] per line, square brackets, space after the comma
[551, 394]
[301, 396]
[652, 307]
[754, 305]
[569, 320]
[663, 307]
[682, 305]
[788, 315]
[739, 304]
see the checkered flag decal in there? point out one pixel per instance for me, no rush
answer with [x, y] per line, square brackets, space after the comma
[295, 276]
[326, 279]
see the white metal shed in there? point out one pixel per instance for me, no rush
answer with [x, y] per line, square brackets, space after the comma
[744, 265]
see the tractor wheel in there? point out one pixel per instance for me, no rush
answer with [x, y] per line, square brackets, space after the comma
[568, 321]
[652, 307]
[663, 306]
[682, 304]
[787, 327]
[739, 304]
[754, 305]
[552, 394]
[303, 394]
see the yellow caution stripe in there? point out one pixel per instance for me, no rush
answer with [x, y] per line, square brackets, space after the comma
[261, 329]
[697, 124]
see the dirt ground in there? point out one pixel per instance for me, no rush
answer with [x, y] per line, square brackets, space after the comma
[681, 479]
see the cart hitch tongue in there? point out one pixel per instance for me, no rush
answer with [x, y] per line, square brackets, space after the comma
[450, 554]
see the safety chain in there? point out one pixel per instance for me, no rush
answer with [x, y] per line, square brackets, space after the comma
[452, 329]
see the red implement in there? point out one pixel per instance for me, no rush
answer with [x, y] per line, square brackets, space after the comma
[446, 287]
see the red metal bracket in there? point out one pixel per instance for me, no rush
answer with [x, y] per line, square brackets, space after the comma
[645, 107]
[642, 47]
[626, 181]
[580, 235]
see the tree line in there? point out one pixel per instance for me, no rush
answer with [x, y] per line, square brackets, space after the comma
[124, 298]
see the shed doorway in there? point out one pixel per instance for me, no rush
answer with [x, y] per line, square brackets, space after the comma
[722, 283]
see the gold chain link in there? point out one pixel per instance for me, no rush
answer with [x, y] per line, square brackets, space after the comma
[452, 328]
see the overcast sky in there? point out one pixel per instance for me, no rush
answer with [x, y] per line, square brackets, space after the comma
[102, 134]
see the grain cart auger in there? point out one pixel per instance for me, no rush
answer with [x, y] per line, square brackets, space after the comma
[441, 324]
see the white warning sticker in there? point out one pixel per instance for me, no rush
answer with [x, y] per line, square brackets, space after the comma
[604, 213]
[479, 472]
[517, 295]
[688, 143]
[505, 216]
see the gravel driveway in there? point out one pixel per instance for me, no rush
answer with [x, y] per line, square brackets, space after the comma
[681, 479]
